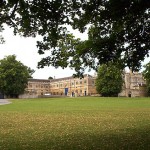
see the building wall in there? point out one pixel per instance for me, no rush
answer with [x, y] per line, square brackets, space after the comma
[134, 86]
[37, 87]
[73, 86]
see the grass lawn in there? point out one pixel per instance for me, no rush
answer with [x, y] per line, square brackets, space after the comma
[85, 123]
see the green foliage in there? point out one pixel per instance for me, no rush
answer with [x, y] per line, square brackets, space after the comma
[109, 80]
[146, 74]
[87, 123]
[117, 29]
[13, 76]
[30, 71]
[50, 78]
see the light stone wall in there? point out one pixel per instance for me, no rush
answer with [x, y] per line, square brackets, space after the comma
[73, 86]
[134, 86]
[38, 87]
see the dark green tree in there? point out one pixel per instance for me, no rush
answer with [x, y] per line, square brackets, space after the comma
[30, 71]
[13, 76]
[50, 78]
[109, 80]
[117, 29]
[146, 74]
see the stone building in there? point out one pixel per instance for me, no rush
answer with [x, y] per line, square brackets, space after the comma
[70, 86]
[134, 85]
[36, 87]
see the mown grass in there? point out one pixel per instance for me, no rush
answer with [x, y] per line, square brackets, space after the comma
[86, 123]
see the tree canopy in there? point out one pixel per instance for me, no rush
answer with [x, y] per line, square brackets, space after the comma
[117, 29]
[50, 78]
[13, 76]
[109, 80]
[146, 74]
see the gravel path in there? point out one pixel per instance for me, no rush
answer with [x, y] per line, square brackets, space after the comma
[4, 101]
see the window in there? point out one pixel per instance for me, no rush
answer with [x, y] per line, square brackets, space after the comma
[30, 85]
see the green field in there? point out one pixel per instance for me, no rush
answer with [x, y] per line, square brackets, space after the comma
[86, 123]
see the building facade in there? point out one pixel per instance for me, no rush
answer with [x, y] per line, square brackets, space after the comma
[134, 86]
[70, 86]
[36, 87]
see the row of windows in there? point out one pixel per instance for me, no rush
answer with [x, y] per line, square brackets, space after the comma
[38, 86]
[72, 83]
[76, 91]
[58, 85]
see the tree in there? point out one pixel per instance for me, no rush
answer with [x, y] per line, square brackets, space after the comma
[13, 76]
[146, 74]
[109, 80]
[118, 29]
[30, 71]
[50, 78]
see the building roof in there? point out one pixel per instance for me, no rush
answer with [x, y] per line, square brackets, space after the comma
[68, 78]
[55, 80]
[38, 80]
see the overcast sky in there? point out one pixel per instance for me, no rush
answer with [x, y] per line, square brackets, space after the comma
[26, 51]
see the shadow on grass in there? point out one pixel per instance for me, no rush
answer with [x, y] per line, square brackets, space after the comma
[126, 140]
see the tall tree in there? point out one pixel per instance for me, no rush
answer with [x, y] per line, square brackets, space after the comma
[146, 74]
[13, 76]
[109, 80]
[117, 29]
